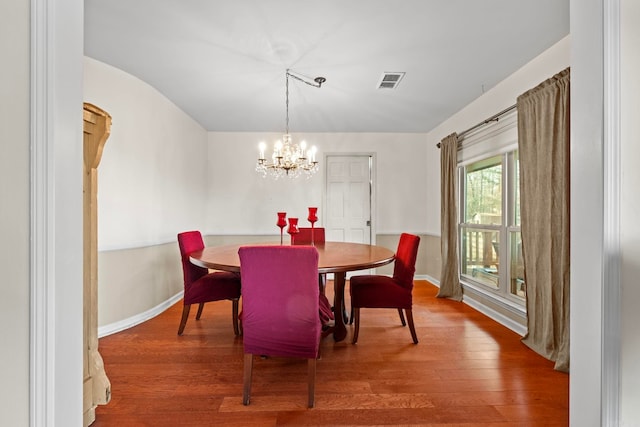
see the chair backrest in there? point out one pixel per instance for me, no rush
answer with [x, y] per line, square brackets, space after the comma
[405, 262]
[280, 300]
[304, 236]
[190, 241]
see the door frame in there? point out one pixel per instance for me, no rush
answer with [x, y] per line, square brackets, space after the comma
[372, 186]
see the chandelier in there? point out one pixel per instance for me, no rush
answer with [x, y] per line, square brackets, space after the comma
[289, 159]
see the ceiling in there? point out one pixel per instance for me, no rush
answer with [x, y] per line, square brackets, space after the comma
[224, 62]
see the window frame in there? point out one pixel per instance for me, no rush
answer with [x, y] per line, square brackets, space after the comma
[505, 229]
[495, 139]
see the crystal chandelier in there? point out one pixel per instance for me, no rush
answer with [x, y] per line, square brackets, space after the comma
[289, 159]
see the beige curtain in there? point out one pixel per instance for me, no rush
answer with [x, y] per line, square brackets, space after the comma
[449, 279]
[543, 140]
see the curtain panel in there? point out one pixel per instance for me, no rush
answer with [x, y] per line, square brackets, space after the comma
[543, 143]
[450, 278]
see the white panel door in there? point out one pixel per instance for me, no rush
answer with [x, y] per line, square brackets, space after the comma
[348, 204]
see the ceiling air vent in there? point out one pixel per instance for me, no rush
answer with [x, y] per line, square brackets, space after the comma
[390, 80]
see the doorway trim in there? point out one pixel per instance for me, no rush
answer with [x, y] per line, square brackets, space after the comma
[55, 330]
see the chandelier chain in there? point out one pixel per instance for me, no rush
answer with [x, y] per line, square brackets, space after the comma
[287, 102]
[317, 83]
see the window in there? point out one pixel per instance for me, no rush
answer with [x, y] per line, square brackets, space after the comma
[489, 225]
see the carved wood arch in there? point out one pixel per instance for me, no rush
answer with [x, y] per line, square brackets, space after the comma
[96, 385]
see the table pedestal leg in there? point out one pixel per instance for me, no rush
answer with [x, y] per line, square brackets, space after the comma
[340, 330]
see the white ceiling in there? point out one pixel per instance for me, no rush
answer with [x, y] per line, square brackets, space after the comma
[224, 62]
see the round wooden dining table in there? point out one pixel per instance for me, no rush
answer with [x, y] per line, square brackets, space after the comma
[333, 257]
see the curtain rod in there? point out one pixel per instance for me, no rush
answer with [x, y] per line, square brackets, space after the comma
[493, 118]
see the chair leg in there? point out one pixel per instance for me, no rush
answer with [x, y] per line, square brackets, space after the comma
[411, 326]
[234, 314]
[311, 370]
[248, 368]
[350, 316]
[345, 315]
[402, 317]
[355, 312]
[185, 316]
[199, 313]
[351, 313]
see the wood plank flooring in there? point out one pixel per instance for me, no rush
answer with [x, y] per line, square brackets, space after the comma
[467, 370]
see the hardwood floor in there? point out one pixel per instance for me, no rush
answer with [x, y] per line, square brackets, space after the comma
[467, 370]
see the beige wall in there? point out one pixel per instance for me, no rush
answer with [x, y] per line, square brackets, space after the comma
[133, 281]
[14, 213]
[428, 262]
[127, 300]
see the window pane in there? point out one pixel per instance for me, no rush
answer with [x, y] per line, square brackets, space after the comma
[480, 254]
[483, 198]
[517, 284]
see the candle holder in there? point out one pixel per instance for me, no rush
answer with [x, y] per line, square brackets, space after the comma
[293, 228]
[282, 223]
[312, 218]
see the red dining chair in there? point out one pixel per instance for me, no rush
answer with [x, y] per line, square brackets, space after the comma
[201, 286]
[304, 238]
[280, 307]
[377, 291]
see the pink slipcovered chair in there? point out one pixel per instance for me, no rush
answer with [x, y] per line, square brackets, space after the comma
[377, 291]
[280, 307]
[200, 286]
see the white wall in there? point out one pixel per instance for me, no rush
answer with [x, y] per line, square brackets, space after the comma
[500, 97]
[585, 382]
[630, 212]
[152, 177]
[152, 184]
[243, 202]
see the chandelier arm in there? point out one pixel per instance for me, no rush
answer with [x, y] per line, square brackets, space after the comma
[317, 82]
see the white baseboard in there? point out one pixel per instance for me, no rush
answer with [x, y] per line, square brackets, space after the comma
[498, 317]
[427, 278]
[138, 318]
[487, 311]
[153, 312]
